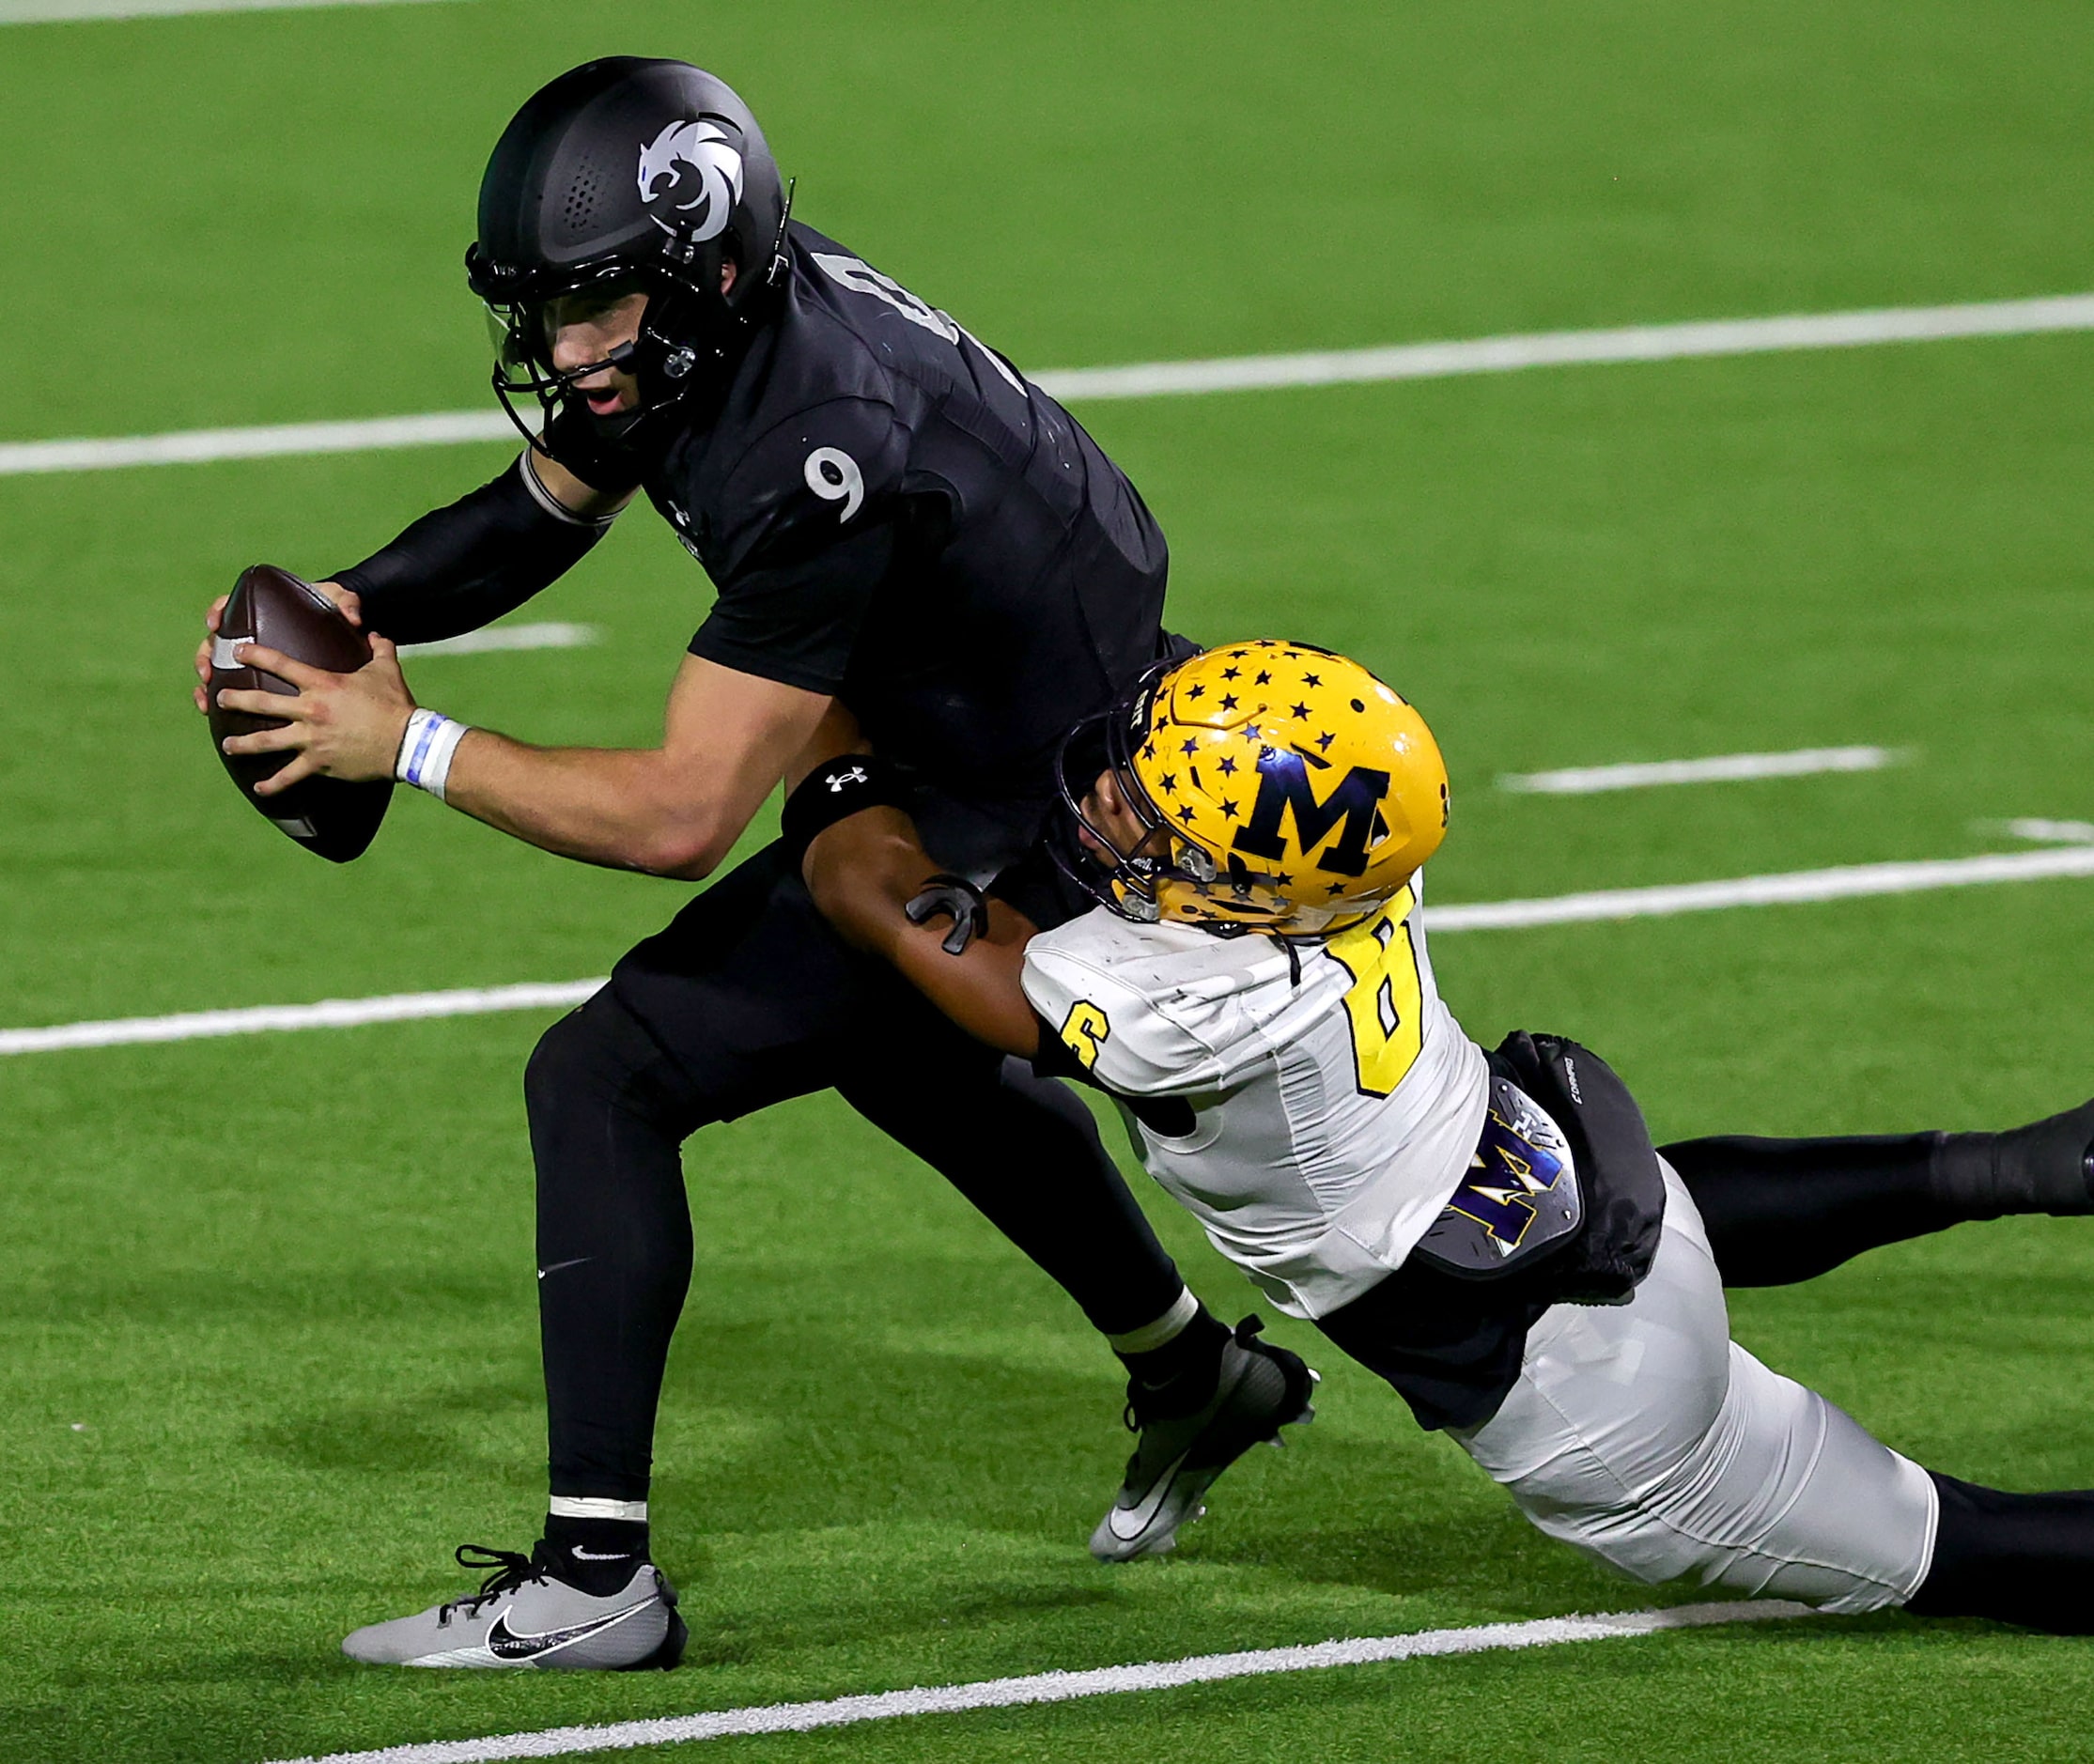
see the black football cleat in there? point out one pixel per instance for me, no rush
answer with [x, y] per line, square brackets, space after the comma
[524, 1615]
[1261, 1390]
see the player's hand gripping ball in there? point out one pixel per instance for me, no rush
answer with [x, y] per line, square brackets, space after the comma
[272, 607]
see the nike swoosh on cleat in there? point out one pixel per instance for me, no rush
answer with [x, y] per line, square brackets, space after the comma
[581, 1555]
[1143, 1514]
[506, 1644]
[574, 1262]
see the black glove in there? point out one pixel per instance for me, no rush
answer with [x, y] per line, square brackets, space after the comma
[957, 899]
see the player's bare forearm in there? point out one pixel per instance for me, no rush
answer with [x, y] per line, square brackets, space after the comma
[979, 988]
[674, 811]
[864, 871]
[627, 809]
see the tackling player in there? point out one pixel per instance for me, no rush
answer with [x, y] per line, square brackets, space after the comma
[1493, 1234]
[892, 514]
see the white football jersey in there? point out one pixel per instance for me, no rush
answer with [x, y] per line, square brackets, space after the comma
[1329, 1120]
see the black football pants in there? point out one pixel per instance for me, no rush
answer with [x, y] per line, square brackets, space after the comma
[746, 999]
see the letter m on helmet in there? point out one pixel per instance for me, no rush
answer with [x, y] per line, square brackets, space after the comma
[1284, 784]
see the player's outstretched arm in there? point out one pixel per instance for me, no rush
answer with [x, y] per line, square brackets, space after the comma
[863, 871]
[674, 810]
[464, 566]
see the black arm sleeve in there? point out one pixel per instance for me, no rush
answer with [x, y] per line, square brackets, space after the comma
[465, 565]
[834, 793]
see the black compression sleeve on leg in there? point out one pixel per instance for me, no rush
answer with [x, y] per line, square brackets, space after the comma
[614, 1245]
[465, 565]
[1784, 1210]
[2015, 1559]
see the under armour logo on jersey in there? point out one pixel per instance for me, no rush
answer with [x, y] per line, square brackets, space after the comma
[705, 180]
[833, 475]
[836, 780]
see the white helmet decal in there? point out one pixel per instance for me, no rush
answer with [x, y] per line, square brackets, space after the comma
[703, 172]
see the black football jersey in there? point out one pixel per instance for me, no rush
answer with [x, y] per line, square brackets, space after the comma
[892, 514]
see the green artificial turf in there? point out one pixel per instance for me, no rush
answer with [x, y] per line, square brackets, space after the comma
[266, 1334]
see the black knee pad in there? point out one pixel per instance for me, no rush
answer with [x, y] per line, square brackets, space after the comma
[600, 1057]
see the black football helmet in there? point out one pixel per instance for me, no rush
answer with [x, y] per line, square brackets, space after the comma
[628, 173]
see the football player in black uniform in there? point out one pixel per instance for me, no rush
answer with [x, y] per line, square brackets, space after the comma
[895, 518]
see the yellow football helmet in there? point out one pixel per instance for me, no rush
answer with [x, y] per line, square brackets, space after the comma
[1284, 788]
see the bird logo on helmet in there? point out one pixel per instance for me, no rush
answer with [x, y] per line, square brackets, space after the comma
[1283, 789]
[717, 175]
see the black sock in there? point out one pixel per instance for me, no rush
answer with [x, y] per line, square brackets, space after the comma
[1180, 1376]
[2047, 1167]
[597, 1555]
[1779, 1211]
[2015, 1559]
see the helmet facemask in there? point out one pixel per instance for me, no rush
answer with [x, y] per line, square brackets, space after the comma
[684, 330]
[1163, 875]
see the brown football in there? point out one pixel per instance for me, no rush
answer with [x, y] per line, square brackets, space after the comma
[272, 605]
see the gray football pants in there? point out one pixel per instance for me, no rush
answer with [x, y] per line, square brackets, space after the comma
[1643, 1435]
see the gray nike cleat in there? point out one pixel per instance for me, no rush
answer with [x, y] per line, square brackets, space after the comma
[1261, 1390]
[525, 1616]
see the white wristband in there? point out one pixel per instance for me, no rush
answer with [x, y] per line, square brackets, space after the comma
[425, 750]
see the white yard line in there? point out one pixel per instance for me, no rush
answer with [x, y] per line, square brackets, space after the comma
[197, 446]
[399, 1007]
[67, 11]
[2050, 832]
[1849, 882]
[1242, 373]
[546, 634]
[1062, 1687]
[1569, 348]
[1584, 780]
[1788, 888]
